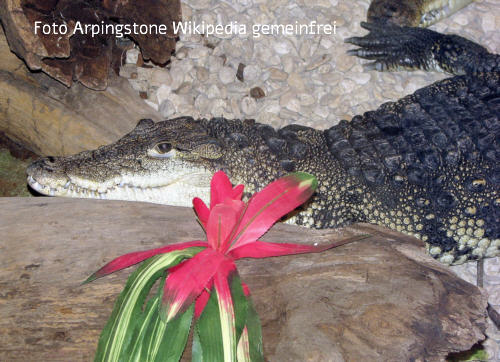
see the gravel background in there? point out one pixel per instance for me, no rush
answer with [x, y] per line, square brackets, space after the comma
[305, 79]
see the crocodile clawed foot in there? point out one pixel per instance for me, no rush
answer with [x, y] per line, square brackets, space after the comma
[392, 47]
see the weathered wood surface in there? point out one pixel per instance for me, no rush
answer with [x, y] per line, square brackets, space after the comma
[378, 299]
[51, 119]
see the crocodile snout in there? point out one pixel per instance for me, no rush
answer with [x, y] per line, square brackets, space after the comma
[44, 175]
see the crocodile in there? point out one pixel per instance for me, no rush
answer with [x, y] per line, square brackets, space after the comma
[426, 165]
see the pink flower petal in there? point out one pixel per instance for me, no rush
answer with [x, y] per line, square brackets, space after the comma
[273, 202]
[220, 188]
[222, 222]
[129, 259]
[261, 249]
[201, 210]
[237, 192]
[202, 300]
[187, 280]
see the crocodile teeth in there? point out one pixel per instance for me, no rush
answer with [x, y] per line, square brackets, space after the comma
[36, 186]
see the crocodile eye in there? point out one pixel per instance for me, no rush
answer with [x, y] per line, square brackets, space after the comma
[163, 147]
[162, 150]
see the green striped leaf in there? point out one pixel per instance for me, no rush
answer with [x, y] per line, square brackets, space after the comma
[254, 333]
[208, 342]
[240, 304]
[135, 348]
[196, 351]
[243, 351]
[172, 339]
[127, 313]
[226, 313]
[165, 342]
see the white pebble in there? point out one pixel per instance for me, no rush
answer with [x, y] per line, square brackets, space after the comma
[306, 99]
[162, 93]
[198, 52]
[361, 78]
[214, 63]
[318, 61]
[290, 102]
[177, 75]
[251, 73]
[326, 43]
[199, 4]
[278, 74]
[296, 81]
[160, 76]
[321, 111]
[202, 74]
[132, 56]
[248, 105]
[320, 3]
[139, 85]
[166, 108]
[218, 108]
[203, 103]
[213, 91]
[348, 85]
[288, 63]
[144, 73]
[282, 47]
[227, 75]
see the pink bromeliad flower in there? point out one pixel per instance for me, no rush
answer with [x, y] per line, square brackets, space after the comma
[233, 229]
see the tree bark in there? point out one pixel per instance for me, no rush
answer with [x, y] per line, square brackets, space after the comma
[381, 298]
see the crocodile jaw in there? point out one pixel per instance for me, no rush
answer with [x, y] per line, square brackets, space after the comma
[176, 190]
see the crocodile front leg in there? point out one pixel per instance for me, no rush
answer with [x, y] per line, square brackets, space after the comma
[392, 48]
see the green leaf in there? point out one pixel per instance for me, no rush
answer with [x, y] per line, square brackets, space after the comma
[166, 341]
[196, 350]
[127, 313]
[254, 333]
[134, 350]
[171, 340]
[226, 312]
[208, 337]
[240, 303]
[209, 334]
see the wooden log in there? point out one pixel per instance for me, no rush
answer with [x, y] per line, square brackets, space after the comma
[51, 119]
[378, 299]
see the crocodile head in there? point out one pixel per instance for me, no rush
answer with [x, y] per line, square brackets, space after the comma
[166, 162]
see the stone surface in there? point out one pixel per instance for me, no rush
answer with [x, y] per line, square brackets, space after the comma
[380, 298]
